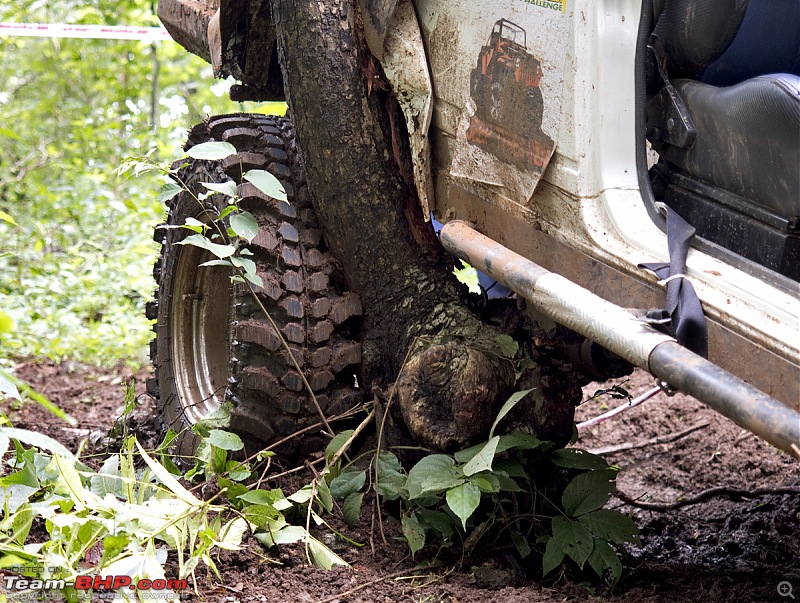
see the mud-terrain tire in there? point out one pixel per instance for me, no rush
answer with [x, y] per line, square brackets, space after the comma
[214, 346]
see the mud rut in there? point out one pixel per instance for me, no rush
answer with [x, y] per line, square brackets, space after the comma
[717, 551]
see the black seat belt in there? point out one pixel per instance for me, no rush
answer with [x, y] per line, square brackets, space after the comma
[683, 311]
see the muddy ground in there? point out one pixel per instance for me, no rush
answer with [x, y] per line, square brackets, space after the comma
[719, 550]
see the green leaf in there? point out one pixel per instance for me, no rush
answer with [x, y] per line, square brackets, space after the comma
[226, 212]
[14, 496]
[572, 538]
[25, 476]
[507, 344]
[247, 265]
[438, 521]
[6, 323]
[114, 545]
[237, 471]
[225, 440]
[21, 523]
[211, 151]
[260, 515]
[349, 481]
[611, 525]
[107, 480]
[414, 532]
[433, 474]
[255, 279]
[323, 495]
[322, 556]
[10, 134]
[391, 481]
[575, 458]
[217, 263]
[512, 401]
[234, 489]
[7, 218]
[483, 460]
[168, 191]
[8, 389]
[505, 483]
[351, 508]
[167, 478]
[336, 443]
[588, 491]
[267, 184]
[553, 556]
[244, 224]
[280, 533]
[605, 562]
[510, 467]
[69, 481]
[302, 496]
[466, 455]
[463, 500]
[197, 240]
[262, 497]
[195, 225]
[487, 482]
[39, 440]
[521, 441]
[520, 543]
[227, 188]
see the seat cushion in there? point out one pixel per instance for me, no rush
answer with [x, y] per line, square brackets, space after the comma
[748, 139]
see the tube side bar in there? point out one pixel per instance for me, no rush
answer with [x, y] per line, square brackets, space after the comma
[620, 332]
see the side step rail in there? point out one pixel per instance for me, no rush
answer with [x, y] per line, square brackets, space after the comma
[619, 331]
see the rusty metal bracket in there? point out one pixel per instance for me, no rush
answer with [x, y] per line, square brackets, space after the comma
[668, 120]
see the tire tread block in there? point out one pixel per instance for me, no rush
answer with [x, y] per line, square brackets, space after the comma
[258, 333]
[345, 307]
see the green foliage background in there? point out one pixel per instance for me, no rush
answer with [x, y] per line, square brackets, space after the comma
[76, 271]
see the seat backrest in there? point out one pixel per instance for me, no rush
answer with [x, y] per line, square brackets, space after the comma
[694, 33]
[767, 42]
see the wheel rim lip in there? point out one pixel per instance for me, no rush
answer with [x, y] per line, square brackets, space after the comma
[200, 333]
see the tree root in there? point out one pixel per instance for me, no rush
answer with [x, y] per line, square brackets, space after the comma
[449, 393]
[735, 494]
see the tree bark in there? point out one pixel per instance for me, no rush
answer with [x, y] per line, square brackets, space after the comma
[351, 135]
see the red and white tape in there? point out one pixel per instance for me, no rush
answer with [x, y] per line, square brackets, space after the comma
[98, 32]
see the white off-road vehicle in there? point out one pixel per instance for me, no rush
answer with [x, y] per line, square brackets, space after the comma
[601, 159]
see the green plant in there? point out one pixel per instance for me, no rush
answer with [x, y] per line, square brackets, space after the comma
[125, 520]
[224, 236]
[113, 518]
[76, 259]
[496, 488]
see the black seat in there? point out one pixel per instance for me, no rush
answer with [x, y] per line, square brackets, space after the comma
[724, 116]
[747, 139]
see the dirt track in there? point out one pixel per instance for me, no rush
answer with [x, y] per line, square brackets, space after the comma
[719, 550]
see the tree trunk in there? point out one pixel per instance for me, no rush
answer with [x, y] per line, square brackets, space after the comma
[351, 135]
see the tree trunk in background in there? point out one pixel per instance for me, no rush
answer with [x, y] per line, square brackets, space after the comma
[351, 135]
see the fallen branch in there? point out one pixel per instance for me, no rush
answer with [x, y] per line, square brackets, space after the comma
[619, 409]
[347, 593]
[723, 491]
[295, 470]
[662, 439]
[338, 454]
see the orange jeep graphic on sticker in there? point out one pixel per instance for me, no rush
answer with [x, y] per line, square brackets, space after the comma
[508, 101]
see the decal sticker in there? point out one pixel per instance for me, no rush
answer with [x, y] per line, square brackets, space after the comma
[506, 131]
[504, 87]
[559, 5]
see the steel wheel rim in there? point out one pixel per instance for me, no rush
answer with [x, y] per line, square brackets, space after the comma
[200, 333]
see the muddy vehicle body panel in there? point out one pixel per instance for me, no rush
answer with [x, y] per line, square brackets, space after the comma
[527, 120]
